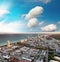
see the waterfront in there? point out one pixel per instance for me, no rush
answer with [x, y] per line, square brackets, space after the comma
[13, 37]
[29, 48]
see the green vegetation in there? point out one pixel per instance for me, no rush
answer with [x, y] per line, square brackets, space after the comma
[50, 54]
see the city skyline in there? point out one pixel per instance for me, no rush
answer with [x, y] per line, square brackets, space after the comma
[29, 16]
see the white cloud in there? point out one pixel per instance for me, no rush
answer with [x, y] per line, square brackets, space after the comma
[58, 22]
[3, 11]
[32, 23]
[11, 27]
[41, 23]
[38, 10]
[49, 28]
[45, 1]
[31, 16]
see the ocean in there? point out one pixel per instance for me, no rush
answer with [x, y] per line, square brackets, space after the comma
[13, 37]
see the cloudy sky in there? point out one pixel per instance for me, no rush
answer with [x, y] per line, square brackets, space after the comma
[18, 16]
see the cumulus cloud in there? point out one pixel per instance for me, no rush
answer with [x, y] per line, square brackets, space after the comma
[31, 16]
[32, 23]
[11, 27]
[38, 10]
[49, 28]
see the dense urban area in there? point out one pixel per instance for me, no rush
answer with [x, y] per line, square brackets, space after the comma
[41, 48]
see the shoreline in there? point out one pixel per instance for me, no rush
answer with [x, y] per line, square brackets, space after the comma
[5, 44]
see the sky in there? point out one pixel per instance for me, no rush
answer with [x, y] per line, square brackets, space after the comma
[20, 16]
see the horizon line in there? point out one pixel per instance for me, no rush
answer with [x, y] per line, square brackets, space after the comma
[31, 33]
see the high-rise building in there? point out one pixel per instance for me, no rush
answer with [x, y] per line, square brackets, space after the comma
[8, 44]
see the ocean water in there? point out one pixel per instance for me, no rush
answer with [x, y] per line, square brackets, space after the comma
[13, 37]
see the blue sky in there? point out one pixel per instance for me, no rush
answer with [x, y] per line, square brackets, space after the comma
[18, 16]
